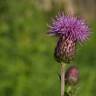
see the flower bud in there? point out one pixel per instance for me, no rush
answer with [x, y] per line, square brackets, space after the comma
[65, 50]
[72, 75]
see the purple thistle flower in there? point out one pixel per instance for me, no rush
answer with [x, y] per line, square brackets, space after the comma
[70, 27]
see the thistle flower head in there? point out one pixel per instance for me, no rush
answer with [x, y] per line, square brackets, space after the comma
[70, 26]
[65, 50]
[72, 75]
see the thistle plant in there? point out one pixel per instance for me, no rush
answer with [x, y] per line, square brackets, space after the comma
[70, 31]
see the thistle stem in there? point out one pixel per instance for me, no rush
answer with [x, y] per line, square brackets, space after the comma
[62, 78]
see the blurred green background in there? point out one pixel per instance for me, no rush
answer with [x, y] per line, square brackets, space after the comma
[27, 65]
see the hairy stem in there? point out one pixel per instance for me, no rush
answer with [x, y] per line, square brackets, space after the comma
[62, 78]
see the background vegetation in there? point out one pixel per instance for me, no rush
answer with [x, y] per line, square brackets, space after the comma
[27, 65]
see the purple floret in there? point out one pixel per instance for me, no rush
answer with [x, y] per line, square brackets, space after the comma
[70, 27]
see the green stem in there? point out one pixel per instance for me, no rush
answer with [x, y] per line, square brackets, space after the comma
[62, 78]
